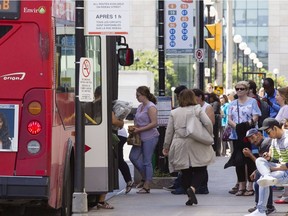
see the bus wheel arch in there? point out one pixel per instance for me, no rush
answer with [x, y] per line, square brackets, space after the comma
[68, 183]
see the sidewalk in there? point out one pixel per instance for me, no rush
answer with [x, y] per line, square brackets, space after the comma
[160, 202]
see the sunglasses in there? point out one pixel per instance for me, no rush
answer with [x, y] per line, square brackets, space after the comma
[240, 89]
[269, 131]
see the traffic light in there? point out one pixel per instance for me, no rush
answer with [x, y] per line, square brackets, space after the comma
[215, 30]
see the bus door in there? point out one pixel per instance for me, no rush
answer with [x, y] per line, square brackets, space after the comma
[99, 156]
[101, 168]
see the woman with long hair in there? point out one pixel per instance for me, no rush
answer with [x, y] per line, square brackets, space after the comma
[145, 122]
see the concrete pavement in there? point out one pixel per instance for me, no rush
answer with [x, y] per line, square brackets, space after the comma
[160, 202]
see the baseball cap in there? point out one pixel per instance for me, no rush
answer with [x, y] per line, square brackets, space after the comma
[251, 132]
[268, 123]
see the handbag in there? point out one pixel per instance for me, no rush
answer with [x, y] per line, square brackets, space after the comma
[196, 130]
[226, 133]
[133, 138]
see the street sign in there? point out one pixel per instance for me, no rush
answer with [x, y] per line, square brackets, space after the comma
[109, 17]
[199, 55]
[86, 87]
[178, 19]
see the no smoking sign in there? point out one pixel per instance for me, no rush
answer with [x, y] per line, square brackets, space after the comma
[86, 87]
[199, 55]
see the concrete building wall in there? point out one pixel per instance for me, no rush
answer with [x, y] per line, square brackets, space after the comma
[278, 36]
[143, 29]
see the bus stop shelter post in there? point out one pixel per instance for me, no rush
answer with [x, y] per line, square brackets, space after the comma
[79, 202]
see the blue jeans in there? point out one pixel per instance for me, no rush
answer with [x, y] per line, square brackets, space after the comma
[256, 188]
[141, 158]
[263, 167]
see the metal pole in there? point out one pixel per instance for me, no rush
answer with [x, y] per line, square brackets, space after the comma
[200, 39]
[247, 61]
[209, 51]
[229, 44]
[237, 50]
[161, 48]
[243, 62]
[79, 202]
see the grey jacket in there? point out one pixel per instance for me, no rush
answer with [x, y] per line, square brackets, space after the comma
[185, 151]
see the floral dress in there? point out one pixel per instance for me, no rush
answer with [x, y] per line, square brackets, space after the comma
[246, 112]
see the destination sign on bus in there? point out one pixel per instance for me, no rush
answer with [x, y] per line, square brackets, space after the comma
[9, 9]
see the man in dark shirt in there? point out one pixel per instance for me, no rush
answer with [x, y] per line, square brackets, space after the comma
[270, 96]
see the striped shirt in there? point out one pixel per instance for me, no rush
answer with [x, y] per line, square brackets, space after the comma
[279, 148]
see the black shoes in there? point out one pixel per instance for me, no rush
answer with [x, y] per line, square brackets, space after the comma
[192, 198]
[170, 188]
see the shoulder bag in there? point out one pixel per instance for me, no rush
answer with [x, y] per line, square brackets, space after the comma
[196, 130]
[226, 133]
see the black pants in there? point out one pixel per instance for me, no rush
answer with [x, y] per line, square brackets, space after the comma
[240, 169]
[193, 176]
[122, 165]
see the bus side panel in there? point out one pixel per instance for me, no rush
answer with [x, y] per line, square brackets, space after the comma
[7, 158]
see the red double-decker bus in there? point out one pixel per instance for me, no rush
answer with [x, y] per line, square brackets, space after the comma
[37, 105]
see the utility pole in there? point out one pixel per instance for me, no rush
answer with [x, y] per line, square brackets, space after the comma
[200, 40]
[229, 45]
[79, 202]
[161, 48]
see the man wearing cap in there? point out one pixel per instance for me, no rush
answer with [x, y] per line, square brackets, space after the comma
[262, 145]
[271, 172]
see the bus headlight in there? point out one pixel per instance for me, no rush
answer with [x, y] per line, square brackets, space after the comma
[33, 147]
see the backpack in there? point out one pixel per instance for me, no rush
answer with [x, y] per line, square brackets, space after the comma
[265, 111]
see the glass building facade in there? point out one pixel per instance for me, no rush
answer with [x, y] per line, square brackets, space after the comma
[250, 20]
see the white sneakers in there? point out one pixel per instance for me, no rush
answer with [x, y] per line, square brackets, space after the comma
[256, 213]
[266, 181]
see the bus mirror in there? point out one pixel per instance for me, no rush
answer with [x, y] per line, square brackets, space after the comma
[125, 56]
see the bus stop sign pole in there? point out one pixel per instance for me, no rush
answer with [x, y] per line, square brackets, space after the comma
[79, 202]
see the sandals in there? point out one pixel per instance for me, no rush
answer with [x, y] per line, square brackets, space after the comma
[104, 205]
[129, 187]
[140, 184]
[234, 190]
[248, 193]
[240, 192]
[143, 191]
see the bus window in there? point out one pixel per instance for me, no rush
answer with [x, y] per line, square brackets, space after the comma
[65, 62]
[93, 110]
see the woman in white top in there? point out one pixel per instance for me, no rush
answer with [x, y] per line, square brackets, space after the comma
[282, 100]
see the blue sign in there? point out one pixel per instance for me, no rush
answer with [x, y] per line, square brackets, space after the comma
[178, 19]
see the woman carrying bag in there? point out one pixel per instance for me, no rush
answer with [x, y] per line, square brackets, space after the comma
[187, 155]
[242, 115]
